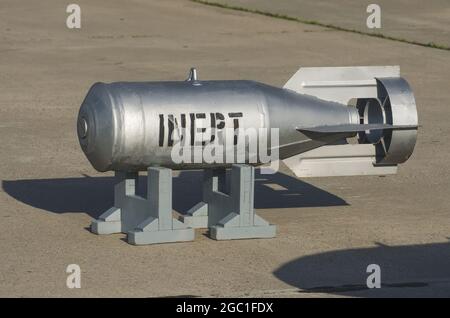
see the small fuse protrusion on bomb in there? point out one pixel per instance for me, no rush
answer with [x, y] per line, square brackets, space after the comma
[192, 75]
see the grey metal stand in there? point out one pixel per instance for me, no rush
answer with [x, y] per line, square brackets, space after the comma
[229, 214]
[146, 220]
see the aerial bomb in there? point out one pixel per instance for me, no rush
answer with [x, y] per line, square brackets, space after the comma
[130, 126]
[323, 122]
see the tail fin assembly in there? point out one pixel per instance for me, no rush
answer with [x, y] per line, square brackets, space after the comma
[388, 121]
[350, 128]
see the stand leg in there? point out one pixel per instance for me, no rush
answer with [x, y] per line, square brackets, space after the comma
[160, 226]
[241, 222]
[111, 221]
[145, 220]
[229, 214]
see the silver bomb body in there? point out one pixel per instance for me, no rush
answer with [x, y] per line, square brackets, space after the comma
[129, 126]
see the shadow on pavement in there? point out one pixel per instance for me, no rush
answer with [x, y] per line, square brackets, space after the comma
[94, 195]
[406, 271]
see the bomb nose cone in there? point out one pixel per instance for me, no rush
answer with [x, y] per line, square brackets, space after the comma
[82, 128]
[95, 127]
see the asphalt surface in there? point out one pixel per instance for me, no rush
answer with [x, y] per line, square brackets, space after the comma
[329, 229]
[411, 20]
